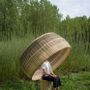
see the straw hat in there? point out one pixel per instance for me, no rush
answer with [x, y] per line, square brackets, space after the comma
[49, 46]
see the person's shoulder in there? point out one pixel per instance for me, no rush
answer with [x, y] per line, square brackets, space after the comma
[46, 63]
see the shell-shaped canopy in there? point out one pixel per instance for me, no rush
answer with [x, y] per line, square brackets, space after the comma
[49, 46]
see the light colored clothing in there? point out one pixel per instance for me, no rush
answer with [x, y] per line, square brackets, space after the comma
[47, 66]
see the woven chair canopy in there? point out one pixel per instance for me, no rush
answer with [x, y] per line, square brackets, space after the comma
[49, 46]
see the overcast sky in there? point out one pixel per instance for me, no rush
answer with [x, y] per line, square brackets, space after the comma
[73, 8]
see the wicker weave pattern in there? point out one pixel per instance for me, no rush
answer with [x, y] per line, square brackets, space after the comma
[48, 46]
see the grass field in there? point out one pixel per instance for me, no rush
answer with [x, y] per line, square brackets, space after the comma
[71, 73]
[10, 52]
[74, 81]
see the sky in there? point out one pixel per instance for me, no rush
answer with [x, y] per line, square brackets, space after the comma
[73, 8]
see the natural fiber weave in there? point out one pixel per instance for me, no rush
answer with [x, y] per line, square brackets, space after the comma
[48, 46]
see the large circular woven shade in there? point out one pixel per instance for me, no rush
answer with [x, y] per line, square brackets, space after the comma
[49, 46]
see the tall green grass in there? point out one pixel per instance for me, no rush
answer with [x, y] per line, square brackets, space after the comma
[78, 60]
[76, 81]
[10, 52]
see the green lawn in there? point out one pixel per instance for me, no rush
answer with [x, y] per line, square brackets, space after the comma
[74, 81]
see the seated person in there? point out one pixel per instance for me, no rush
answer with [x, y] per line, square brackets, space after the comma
[49, 75]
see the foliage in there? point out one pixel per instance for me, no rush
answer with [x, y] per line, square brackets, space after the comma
[79, 81]
[19, 18]
[8, 19]
[10, 52]
[75, 81]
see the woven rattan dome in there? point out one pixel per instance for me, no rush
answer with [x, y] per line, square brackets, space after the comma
[49, 46]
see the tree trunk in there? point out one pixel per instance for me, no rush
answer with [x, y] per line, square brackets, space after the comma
[45, 85]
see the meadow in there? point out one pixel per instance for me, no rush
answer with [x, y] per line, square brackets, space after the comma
[74, 72]
[75, 81]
